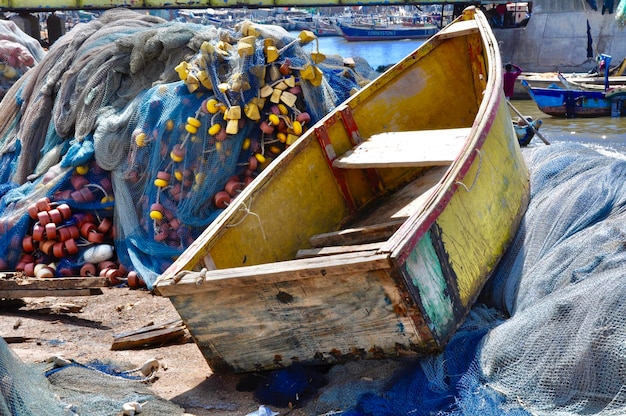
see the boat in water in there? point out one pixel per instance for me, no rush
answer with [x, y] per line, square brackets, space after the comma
[372, 235]
[385, 31]
[570, 102]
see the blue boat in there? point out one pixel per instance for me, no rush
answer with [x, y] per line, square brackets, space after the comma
[361, 32]
[566, 102]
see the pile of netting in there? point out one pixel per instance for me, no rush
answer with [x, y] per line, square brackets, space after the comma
[549, 335]
[620, 14]
[133, 133]
[62, 387]
[18, 53]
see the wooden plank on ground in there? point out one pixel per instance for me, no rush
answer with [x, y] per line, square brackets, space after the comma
[358, 235]
[152, 336]
[34, 293]
[15, 286]
[406, 149]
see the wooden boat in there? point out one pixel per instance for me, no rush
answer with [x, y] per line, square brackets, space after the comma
[574, 102]
[525, 129]
[372, 235]
[354, 32]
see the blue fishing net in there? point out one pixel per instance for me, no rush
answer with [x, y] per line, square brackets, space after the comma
[140, 132]
[547, 337]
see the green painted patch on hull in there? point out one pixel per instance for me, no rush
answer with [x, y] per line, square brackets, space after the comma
[426, 274]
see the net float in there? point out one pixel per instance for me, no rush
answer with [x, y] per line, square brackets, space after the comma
[156, 211]
[38, 232]
[95, 237]
[28, 244]
[51, 231]
[87, 228]
[43, 217]
[82, 170]
[303, 117]
[178, 153]
[222, 199]
[29, 269]
[44, 273]
[133, 280]
[78, 181]
[71, 247]
[32, 211]
[233, 188]
[105, 225]
[297, 128]
[221, 135]
[55, 216]
[266, 127]
[46, 247]
[98, 253]
[58, 250]
[88, 269]
[65, 210]
[43, 204]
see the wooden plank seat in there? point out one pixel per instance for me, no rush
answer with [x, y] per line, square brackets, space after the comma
[406, 149]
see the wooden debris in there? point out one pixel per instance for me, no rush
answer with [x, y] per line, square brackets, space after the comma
[152, 336]
[17, 286]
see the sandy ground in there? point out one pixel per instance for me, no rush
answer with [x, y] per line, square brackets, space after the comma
[184, 377]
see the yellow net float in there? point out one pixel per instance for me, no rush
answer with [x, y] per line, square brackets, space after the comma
[273, 119]
[194, 122]
[82, 170]
[214, 129]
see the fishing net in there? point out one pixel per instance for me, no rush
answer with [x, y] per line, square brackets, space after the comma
[620, 14]
[548, 336]
[18, 53]
[73, 389]
[133, 133]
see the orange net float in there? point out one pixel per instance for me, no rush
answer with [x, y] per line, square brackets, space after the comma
[87, 228]
[43, 217]
[46, 247]
[29, 269]
[105, 225]
[95, 237]
[32, 211]
[28, 244]
[78, 182]
[55, 216]
[71, 247]
[221, 199]
[51, 231]
[38, 232]
[43, 204]
[88, 270]
[58, 250]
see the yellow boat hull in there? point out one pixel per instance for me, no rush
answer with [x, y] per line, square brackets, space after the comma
[292, 269]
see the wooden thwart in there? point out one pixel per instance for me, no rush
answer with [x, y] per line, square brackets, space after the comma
[330, 251]
[406, 149]
[358, 235]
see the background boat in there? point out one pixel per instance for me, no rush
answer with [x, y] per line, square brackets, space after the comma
[566, 102]
[352, 32]
[437, 225]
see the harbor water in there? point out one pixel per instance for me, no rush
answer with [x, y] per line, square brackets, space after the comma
[603, 133]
